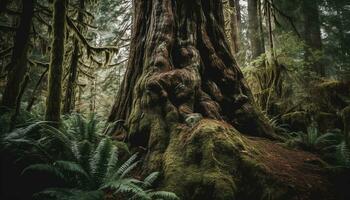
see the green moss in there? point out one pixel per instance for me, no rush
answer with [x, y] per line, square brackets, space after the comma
[213, 161]
[199, 164]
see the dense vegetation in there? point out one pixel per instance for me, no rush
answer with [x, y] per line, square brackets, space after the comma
[175, 99]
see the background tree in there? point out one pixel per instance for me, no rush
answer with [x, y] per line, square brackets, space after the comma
[53, 101]
[254, 28]
[18, 64]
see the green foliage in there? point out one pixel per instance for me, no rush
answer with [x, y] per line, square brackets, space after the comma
[312, 140]
[342, 154]
[85, 160]
[332, 146]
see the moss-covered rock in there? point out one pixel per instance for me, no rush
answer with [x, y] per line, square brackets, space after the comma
[212, 160]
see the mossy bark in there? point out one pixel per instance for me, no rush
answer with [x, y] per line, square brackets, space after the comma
[69, 99]
[212, 160]
[235, 25]
[53, 100]
[18, 65]
[181, 70]
[255, 29]
[312, 35]
[180, 60]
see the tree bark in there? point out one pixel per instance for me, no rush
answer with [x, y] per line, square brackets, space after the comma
[255, 28]
[312, 34]
[176, 61]
[69, 100]
[53, 100]
[180, 71]
[18, 64]
[235, 24]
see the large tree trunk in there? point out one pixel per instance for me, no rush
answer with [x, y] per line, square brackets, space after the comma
[181, 69]
[181, 58]
[53, 100]
[18, 65]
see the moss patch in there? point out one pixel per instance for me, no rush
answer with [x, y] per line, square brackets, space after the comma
[212, 160]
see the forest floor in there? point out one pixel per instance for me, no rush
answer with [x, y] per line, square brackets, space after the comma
[302, 171]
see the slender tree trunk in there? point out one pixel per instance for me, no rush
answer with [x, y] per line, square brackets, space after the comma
[254, 28]
[53, 100]
[340, 13]
[69, 100]
[34, 94]
[235, 25]
[18, 65]
[312, 34]
[18, 103]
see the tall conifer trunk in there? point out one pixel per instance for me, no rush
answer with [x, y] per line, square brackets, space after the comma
[69, 99]
[235, 24]
[53, 100]
[18, 66]
[255, 28]
[312, 34]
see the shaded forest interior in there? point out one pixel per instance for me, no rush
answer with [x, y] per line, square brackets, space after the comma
[175, 99]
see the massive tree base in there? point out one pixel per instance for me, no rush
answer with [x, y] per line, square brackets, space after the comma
[212, 160]
[183, 93]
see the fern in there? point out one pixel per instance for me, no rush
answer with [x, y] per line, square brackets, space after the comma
[124, 185]
[342, 155]
[82, 158]
[99, 161]
[69, 194]
[72, 167]
[126, 165]
[112, 163]
[312, 140]
[163, 195]
[45, 168]
[149, 180]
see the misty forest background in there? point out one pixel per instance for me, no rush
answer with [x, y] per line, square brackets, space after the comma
[62, 63]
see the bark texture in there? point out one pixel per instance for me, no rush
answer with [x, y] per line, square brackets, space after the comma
[312, 34]
[235, 24]
[69, 99]
[181, 97]
[53, 100]
[18, 66]
[180, 59]
[255, 28]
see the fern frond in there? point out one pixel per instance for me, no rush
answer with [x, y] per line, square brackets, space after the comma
[129, 169]
[71, 167]
[24, 132]
[99, 161]
[343, 154]
[45, 168]
[126, 165]
[112, 163]
[69, 194]
[149, 180]
[125, 186]
[163, 195]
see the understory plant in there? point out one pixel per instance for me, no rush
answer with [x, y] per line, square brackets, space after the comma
[332, 145]
[87, 161]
